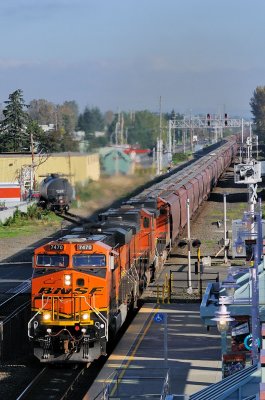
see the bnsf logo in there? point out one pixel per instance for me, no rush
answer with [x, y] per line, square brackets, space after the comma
[78, 290]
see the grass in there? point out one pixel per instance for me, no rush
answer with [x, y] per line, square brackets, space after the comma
[16, 231]
[180, 157]
[231, 214]
[99, 194]
[26, 224]
[238, 212]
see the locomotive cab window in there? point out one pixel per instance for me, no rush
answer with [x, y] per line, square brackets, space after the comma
[89, 260]
[52, 260]
[91, 264]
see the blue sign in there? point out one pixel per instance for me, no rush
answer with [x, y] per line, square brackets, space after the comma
[159, 317]
[248, 342]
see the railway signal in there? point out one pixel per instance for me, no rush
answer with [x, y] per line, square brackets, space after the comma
[209, 119]
[196, 244]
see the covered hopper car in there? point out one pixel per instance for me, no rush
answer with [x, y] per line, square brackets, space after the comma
[56, 193]
[84, 283]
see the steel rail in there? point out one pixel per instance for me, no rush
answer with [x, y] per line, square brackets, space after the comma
[27, 390]
[43, 386]
[22, 288]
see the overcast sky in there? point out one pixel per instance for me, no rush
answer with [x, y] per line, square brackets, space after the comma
[198, 55]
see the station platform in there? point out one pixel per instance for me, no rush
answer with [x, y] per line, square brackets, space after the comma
[166, 344]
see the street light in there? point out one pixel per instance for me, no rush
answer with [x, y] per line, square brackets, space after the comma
[223, 319]
[222, 316]
[240, 245]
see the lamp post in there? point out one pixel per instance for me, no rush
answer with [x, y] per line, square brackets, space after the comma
[223, 319]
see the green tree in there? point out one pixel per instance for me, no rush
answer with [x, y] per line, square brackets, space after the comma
[37, 136]
[91, 120]
[257, 104]
[146, 129]
[64, 117]
[14, 136]
[42, 111]
[68, 113]
[108, 117]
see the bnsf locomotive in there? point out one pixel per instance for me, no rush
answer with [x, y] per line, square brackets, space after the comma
[84, 283]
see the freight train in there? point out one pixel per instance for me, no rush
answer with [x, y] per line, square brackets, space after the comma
[85, 283]
[55, 193]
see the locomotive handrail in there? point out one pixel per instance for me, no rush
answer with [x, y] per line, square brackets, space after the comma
[101, 316]
[94, 309]
[29, 323]
[42, 298]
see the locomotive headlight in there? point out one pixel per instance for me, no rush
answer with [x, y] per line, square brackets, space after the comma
[67, 280]
[85, 316]
[49, 330]
[47, 316]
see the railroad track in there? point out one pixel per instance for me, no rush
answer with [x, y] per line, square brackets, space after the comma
[53, 383]
[14, 299]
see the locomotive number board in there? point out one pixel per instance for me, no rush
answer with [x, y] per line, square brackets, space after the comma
[57, 247]
[82, 247]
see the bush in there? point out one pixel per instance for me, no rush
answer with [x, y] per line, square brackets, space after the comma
[33, 213]
[180, 157]
[83, 192]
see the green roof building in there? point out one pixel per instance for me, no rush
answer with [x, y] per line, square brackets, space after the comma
[115, 162]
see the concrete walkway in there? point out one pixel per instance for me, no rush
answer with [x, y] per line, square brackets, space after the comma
[183, 346]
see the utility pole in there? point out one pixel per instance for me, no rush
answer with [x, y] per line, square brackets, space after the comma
[159, 142]
[117, 129]
[191, 133]
[121, 130]
[32, 177]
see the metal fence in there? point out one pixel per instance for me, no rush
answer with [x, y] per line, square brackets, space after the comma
[175, 287]
[136, 383]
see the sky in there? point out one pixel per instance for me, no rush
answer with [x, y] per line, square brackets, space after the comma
[198, 56]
